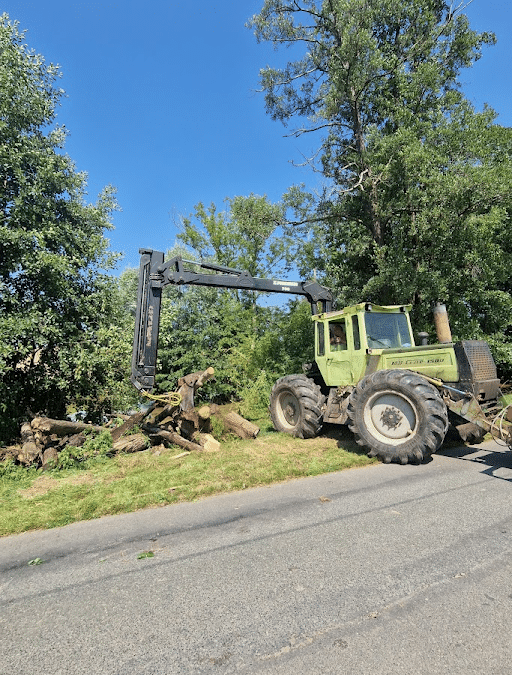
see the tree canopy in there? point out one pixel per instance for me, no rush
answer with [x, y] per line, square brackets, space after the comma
[55, 293]
[417, 183]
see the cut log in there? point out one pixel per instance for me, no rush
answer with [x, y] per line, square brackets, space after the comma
[29, 448]
[166, 421]
[40, 438]
[10, 452]
[186, 428]
[204, 412]
[238, 425]
[134, 443]
[62, 427]
[154, 414]
[209, 443]
[171, 437]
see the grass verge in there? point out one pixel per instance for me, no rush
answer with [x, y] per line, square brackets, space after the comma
[32, 500]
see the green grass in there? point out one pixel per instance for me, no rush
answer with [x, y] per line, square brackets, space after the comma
[32, 500]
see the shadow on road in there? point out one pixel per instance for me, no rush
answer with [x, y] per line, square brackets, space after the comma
[498, 462]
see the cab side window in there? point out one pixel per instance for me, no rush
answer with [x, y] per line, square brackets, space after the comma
[321, 340]
[355, 332]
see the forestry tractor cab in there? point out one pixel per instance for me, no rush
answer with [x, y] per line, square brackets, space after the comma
[397, 397]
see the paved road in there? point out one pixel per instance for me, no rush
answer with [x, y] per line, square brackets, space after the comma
[386, 569]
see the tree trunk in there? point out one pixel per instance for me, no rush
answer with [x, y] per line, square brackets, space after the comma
[204, 413]
[134, 443]
[62, 427]
[238, 425]
[189, 384]
[77, 440]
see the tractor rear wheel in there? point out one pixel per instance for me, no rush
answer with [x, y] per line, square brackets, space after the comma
[296, 406]
[398, 416]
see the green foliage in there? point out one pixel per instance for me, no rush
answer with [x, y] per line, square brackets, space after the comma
[15, 472]
[57, 341]
[245, 340]
[145, 554]
[417, 201]
[247, 236]
[95, 450]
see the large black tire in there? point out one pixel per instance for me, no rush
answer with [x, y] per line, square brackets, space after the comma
[296, 406]
[398, 416]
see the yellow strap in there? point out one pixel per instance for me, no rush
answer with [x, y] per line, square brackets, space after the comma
[172, 398]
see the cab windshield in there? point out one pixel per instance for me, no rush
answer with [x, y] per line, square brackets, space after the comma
[387, 331]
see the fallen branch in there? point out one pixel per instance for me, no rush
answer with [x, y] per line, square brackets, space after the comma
[130, 423]
[162, 435]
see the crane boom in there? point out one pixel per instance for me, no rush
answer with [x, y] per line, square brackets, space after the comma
[156, 273]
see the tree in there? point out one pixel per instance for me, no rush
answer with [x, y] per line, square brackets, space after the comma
[55, 293]
[247, 236]
[228, 329]
[417, 197]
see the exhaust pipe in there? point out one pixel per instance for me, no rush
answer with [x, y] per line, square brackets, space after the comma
[444, 334]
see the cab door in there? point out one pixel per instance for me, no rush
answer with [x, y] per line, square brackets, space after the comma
[340, 364]
[339, 353]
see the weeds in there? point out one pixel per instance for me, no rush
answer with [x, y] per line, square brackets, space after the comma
[95, 450]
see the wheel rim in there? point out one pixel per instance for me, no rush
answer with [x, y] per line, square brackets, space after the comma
[288, 410]
[391, 417]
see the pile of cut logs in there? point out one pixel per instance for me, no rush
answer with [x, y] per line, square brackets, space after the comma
[161, 424]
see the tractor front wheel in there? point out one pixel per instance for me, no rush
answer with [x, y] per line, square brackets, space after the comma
[296, 406]
[398, 416]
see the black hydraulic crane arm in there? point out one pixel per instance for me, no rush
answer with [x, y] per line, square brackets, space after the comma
[155, 273]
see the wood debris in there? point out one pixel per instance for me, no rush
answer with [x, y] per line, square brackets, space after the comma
[177, 423]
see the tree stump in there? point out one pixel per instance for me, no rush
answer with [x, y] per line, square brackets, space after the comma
[50, 458]
[29, 448]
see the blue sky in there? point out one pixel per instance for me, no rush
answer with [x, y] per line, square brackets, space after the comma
[162, 103]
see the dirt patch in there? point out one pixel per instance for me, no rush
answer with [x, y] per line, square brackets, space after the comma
[44, 484]
[40, 486]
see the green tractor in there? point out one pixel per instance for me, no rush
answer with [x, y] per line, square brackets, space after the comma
[398, 398]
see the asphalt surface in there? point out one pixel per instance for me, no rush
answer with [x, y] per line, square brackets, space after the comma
[387, 569]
